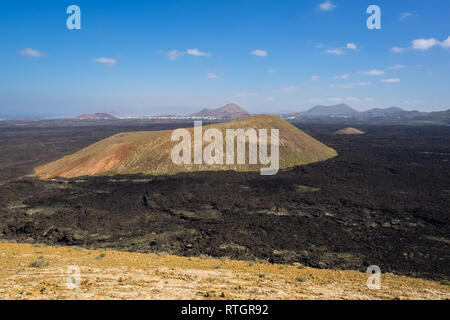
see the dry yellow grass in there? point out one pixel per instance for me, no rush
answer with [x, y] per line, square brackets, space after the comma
[39, 272]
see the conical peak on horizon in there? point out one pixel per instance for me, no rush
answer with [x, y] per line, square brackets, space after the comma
[230, 111]
[149, 152]
[333, 110]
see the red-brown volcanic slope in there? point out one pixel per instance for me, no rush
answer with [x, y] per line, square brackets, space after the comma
[150, 152]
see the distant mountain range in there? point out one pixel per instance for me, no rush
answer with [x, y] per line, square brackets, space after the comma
[440, 116]
[233, 111]
[229, 111]
[320, 113]
[391, 115]
[343, 110]
[339, 110]
[378, 112]
[95, 116]
[392, 112]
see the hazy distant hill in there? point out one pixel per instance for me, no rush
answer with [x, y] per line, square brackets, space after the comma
[393, 112]
[343, 112]
[340, 110]
[230, 111]
[442, 117]
[378, 112]
[95, 116]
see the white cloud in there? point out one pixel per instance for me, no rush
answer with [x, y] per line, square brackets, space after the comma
[212, 76]
[270, 99]
[343, 86]
[315, 78]
[259, 53]
[413, 101]
[318, 46]
[247, 94]
[327, 6]
[339, 50]
[397, 67]
[272, 71]
[174, 54]
[334, 51]
[290, 89]
[315, 100]
[106, 61]
[197, 53]
[424, 44]
[342, 76]
[446, 43]
[321, 100]
[405, 15]
[362, 84]
[398, 49]
[391, 80]
[28, 52]
[373, 72]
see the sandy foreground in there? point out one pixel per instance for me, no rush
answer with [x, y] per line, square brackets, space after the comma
[42, 272]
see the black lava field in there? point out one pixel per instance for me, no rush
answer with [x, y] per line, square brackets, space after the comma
[383, 201]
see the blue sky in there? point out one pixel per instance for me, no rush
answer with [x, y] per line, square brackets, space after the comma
[151, 57]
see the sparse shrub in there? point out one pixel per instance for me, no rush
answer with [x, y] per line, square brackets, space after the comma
[145, 201]
[445, 282]
[101, 255]
[300, 279]
[40, 262]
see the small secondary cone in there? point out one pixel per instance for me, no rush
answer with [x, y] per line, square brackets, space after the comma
[150, 152]
[349, 131]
